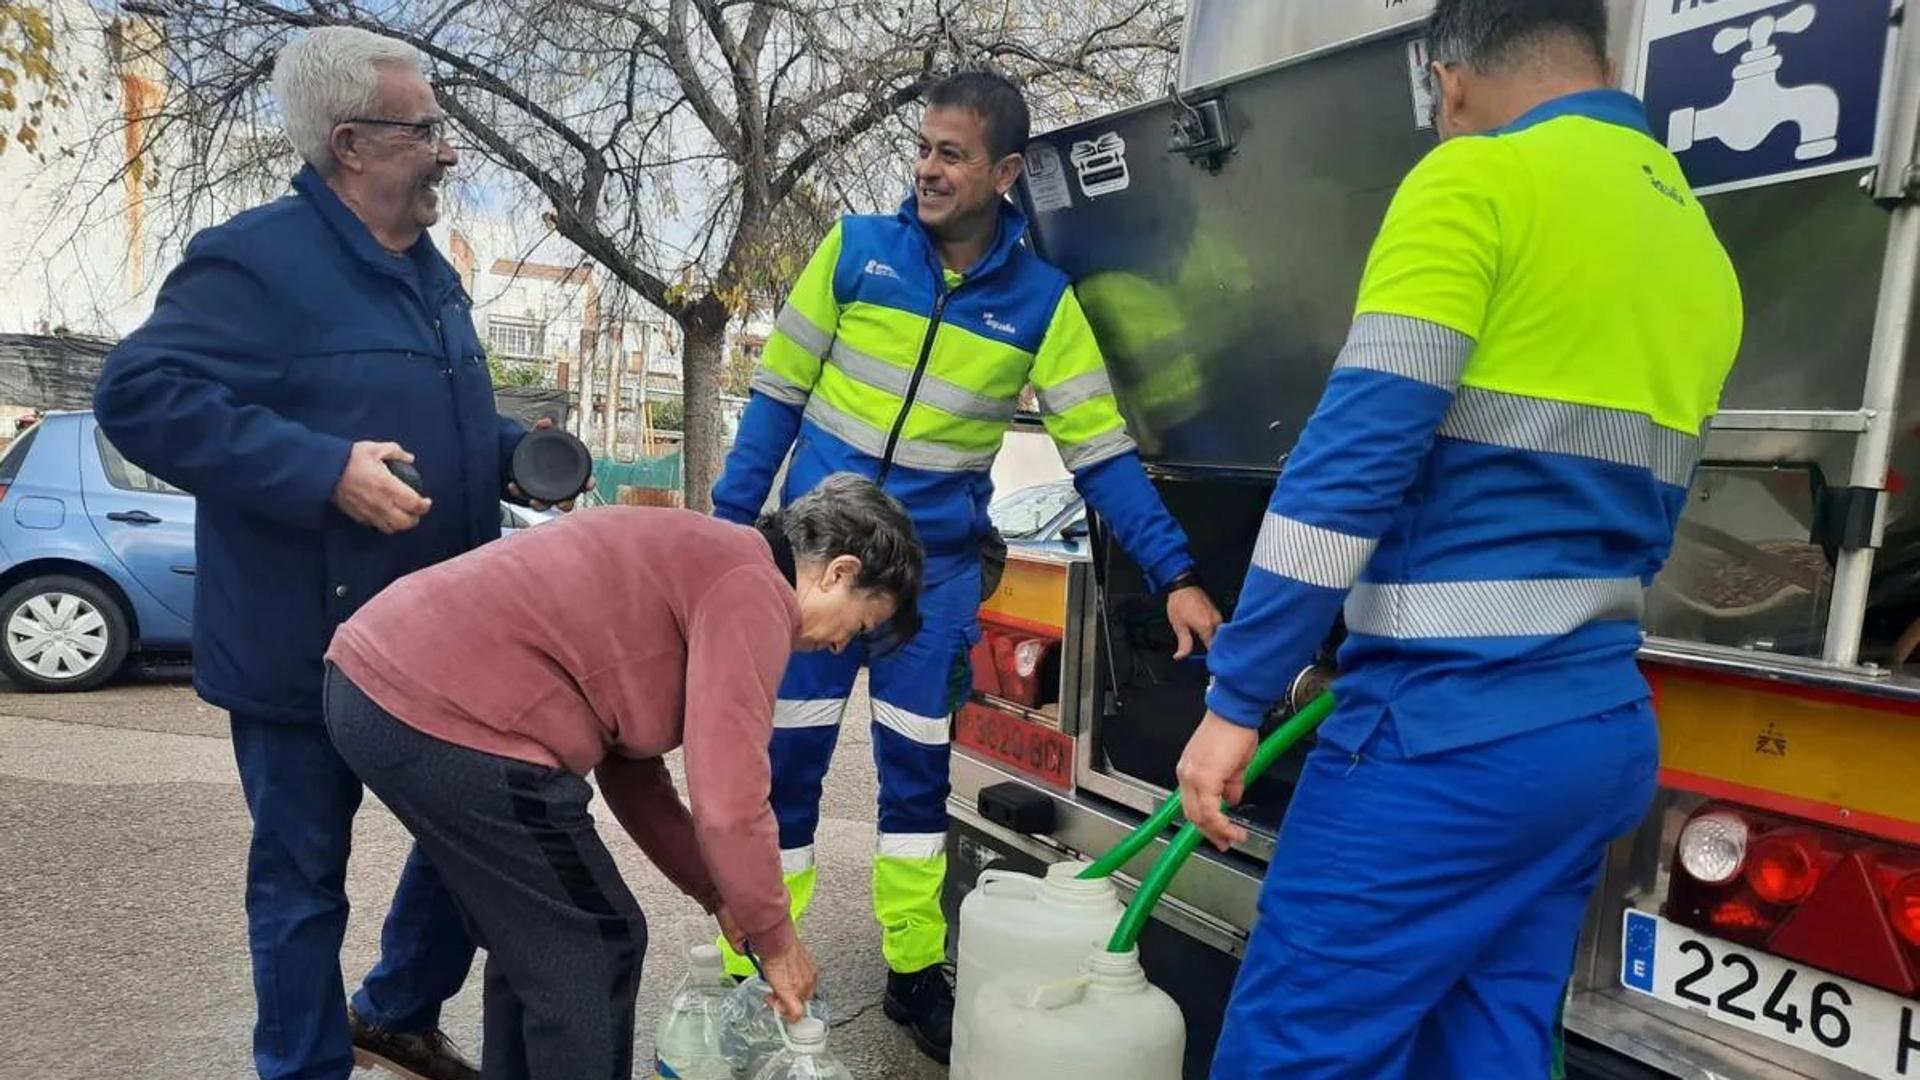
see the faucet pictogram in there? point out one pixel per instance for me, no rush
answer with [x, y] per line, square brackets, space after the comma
[1758, 104]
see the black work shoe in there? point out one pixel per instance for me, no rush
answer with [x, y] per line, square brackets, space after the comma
[428, 1055]
[923, 1001]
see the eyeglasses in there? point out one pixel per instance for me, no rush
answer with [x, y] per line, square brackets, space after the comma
[431, 132]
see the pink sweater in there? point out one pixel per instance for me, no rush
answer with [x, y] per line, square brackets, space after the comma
[602, 641]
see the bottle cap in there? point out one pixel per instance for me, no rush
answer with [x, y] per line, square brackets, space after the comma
[807, 1031]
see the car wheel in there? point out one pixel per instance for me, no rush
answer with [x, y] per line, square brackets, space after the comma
[61, 633]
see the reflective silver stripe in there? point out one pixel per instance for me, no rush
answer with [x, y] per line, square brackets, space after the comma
[913, 453]
[796, 860]
[1546, 607]
[779, 387]
[1097, 449]
[911, 845]
[804, 334]
[934, 391]
[818, 712]
[1410, 348]
[1075, 391]
[925, 730]
[1562, 427]
[1309, 553]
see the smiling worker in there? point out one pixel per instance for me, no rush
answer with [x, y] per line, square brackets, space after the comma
[901, 354]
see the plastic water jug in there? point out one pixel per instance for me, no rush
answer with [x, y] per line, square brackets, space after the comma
[805, 1055]
[750, 1029]
[1014, 924]
[1107, 1023]
[686, 1045]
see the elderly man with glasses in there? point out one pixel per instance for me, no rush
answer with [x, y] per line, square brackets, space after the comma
[295, 351]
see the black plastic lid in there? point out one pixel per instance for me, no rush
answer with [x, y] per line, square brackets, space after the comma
[551, 465]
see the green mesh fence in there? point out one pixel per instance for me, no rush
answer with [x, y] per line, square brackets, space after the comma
[654, 473]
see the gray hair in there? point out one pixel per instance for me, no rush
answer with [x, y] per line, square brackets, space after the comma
[329, 76]
[1490, 34]
[850, 515]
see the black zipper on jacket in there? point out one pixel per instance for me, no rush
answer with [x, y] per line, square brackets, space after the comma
[913, 383]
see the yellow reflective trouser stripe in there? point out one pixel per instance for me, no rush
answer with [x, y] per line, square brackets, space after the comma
[800, 885]
[906, 902]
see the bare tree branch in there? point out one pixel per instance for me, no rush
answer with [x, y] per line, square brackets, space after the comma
[693, 149]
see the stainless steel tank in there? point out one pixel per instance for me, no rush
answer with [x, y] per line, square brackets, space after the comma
[1225, 38]
[1221, 284]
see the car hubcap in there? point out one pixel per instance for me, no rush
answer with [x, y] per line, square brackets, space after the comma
[57, 636]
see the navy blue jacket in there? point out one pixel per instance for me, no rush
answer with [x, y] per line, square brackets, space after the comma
[284, 336]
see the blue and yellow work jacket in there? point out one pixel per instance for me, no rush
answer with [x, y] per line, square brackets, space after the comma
[1504, 448]
[882, 356]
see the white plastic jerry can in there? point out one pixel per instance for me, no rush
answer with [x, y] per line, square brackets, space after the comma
[1107, 1023]
[1039, 929]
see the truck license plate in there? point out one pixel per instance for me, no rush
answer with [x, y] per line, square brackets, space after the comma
[1837, 1019]
[1035, 749]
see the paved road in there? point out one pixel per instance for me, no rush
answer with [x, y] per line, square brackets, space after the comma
[122, 940]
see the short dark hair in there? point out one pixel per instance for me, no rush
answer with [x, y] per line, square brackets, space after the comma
[993, 99]
[1491, 34]
[848, 514]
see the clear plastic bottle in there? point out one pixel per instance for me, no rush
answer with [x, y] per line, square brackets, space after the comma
[686, 1044]
[750, 1029]
[805, 1055]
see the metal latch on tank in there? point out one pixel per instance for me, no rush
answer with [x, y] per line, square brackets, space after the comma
[1200, 131]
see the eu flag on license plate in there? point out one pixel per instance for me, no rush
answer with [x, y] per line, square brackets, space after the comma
[1642, 938]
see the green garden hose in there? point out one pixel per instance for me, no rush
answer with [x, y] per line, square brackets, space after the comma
[1157, 879]
[1269, 752]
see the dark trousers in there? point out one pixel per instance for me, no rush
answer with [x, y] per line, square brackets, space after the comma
[302, 797]
[516, 845]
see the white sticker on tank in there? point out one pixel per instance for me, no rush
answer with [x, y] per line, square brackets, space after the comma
[1421, 77]
[1102, 165]
[1047, 179]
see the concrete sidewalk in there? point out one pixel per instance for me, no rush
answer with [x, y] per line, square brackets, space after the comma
[122, 932]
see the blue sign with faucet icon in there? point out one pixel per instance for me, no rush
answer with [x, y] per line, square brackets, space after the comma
[1747, 92]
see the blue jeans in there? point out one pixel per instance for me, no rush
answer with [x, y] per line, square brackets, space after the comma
[302, 798]
[1419, 916]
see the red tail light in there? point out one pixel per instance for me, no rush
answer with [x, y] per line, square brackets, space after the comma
[1740, 919]
[1783, 867]
[1012, 665]
[1843, 902]
[3, 490]
[1903, 907]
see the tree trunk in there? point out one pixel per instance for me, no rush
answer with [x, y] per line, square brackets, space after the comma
[615, 363]
[703, 357]
[583, 386]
